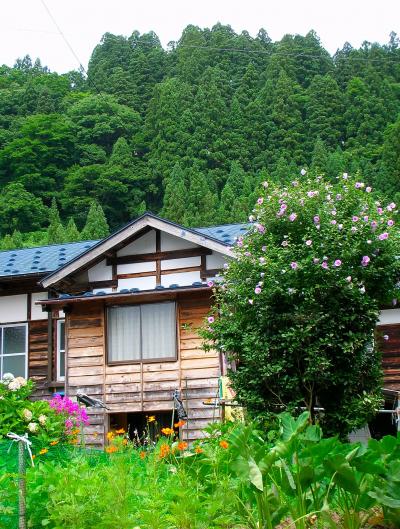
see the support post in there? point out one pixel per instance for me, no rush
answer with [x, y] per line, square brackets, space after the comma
[21, 486]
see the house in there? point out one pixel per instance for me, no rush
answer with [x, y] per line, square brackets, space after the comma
[117, 319]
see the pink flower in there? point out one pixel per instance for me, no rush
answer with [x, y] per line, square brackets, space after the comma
[365, 260]
[262, 260]
[69, 424]
[247, 254]
[354, 218]
[260, 228]
[283, 206]
[260, 201]
[374, 225]
[292, 217]
[257, 290]
[383, 236]
[311, 194]
[316, 219]
[315, 260]
[348, 279]
[359, 185]
[210, 319]
[390, 222]
[333, 212]
[337, 263]
[392, 205]
[294, 265]
[333, 222]
[365, 218]
[309, 242]
[210, 284]
[368, 189]
[380, 211]
[324, 265]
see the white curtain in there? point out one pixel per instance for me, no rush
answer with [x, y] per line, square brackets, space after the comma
[158, 330]
[124, 333]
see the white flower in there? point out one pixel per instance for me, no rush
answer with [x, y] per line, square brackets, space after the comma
[362, 290]
[32, 427]
[42, 420]
[14, 385]
[303, 172]
[21, 380]
[27, 414]
[7, 378]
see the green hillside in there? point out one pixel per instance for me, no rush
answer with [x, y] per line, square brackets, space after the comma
[189, 131]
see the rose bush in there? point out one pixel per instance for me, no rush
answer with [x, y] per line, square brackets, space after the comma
[299, 303]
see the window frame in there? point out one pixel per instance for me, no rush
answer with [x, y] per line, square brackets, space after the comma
[141, 360]
[26, 353]
[58, 350]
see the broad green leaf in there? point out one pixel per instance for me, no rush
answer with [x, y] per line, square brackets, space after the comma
[255, 474]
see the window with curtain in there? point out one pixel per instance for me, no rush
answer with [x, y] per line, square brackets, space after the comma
[14, 350]
[142, 332]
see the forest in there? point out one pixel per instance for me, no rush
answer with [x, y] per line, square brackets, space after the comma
[188, 132]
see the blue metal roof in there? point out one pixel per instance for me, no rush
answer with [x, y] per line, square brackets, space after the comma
[226, 233]
[47, 259]
[40, 260]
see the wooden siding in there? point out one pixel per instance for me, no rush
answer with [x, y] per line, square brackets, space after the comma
[142, 387]
[38, 356]
[390, 354]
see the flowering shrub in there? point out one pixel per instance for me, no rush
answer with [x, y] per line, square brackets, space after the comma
[48, 422]
[299, 303]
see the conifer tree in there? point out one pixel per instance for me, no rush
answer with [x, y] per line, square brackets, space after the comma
[319, 159]
[71, 232]
[201, 203]
[175, 195]
[55, 232]
[96, 226]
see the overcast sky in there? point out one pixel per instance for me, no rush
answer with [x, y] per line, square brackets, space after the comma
[25, 26]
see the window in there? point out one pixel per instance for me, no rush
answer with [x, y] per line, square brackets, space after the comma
[13, 350]
[60, 350]
[142, 332]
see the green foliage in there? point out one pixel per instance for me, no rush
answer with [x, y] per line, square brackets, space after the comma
[212, 101]
[299, 304]
[55, 232]
[239, 476]
[96, 226]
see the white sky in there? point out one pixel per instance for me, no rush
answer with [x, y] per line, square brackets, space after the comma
[25, 27]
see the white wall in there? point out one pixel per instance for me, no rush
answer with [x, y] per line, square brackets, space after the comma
[389, 316]
[216, 260]
[144, 283]
[36, 310]
[170, 242]
[134, 268]
[170, 264]
[183, 279]
[145, 244]
[13, 308]
[100, 272]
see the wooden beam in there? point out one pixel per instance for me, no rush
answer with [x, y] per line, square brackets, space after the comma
[158, 261]
[136, 274]
[161, 272]
[162, 256]
[203, 263]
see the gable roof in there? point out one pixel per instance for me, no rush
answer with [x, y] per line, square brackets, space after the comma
[217, 238]
[40, 260]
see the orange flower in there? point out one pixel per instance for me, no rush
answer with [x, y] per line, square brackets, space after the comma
[125, 442]
[75, 432]
[164, 451]
[95, 434]
[182, 445]
[110, 435]
[142, 454]
[33, 456]
[111, 449]
[167, 431]
[179, 424]
[152, 418]
[43, 451]
[54, 443]
[120, 431]
[223, 444]
[198, 450]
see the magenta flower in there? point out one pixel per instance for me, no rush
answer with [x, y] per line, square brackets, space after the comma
[390, 222]
[354, 218]
[292, 217]
[316, 219]
[283, 206]
[374, 225]
[68, 424]
[380, 211]
[325, 265]
[210, 319]
[260, 228]
[337, 263]
[260, 201]
[294, 265]
[257, 290]
[210, 283]
[383, 236]
[365, 260]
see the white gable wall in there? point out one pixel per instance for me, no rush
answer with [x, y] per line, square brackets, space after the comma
[36, 310]
[389, 316]
[170, 242]
[145, 244]
[13, 308]
[100, 272]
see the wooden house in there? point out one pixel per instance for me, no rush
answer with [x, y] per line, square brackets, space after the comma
[117, 319]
